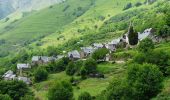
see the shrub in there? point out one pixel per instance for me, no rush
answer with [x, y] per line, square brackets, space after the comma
[100, 54]
[85, 96]
[159, 58]
[146, 45]
[71, 69]
[129, 5]
[90, 66]
[5, 97]
[138, 4]
[142, 82]
[145, 80]
[15, 89]
[61, 91]
[58, 66]
[40, 74]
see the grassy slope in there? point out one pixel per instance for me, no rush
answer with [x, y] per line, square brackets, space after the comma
[91, 85]
[48, 22]
[90, 19]
[39, 24]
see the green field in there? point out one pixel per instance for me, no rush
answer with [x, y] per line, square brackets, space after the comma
[92, 85]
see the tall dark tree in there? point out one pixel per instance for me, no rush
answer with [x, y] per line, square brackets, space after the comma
[132, 36]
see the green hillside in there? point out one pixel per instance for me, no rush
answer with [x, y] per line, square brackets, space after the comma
[59, 23]
[138, 72]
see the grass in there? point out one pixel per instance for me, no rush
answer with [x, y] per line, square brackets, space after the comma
[92, 85]
[44, 26]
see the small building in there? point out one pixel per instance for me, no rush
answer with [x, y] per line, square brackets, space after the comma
[23, 66]
[42, 59]
[24, 79]
[86, 51]
[97, 45]
[74, 55]
[148, 33]
[9, 75]
[60, 56]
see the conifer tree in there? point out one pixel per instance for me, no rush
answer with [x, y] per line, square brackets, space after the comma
[132, 35]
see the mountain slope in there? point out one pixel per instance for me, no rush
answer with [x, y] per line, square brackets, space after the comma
[60, 23]
[9, 6]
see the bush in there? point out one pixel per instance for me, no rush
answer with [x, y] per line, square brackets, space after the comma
[40, 74]
[129, 5]
[100, 54]
[146, 45]
[159, 58]
[15, 89]
[138, 4]
[5, 97]
[60, 65]
[146, 80]
[61, 91]
[142, 82]
[85, 96]
[71, 69]
[90, 66]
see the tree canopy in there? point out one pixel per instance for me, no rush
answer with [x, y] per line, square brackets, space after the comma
[61, 91]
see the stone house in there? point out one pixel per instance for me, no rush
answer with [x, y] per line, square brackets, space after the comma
[74, 55]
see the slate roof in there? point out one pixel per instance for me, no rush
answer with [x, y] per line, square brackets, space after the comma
[145, 34]
[98, 45]
[60, 56]
[35, 58]
[9, 75]
[74, 54]
[87, 50]
[115, 41]
[23, 66]
[24, 79]
[43, 58]
[111, 47]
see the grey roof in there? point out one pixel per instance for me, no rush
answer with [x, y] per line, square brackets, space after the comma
[97, 45]
[35, 58]
[115, 41]
[87, 49]
[43, 58]
[9, 74]
[111, 47]
[24, 79]
[74, 53]
[145, 34]
[23, 66]
[60, 56]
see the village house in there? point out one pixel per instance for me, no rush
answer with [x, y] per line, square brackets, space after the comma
[42, 59]
[111, 46]
[74, 55]
[23, 66]
[9, 75]
[98, 45]
[60, 57]
[86, 51]
[148, 33]
[24, 79]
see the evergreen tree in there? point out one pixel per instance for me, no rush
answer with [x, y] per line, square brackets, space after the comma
[133, 36]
